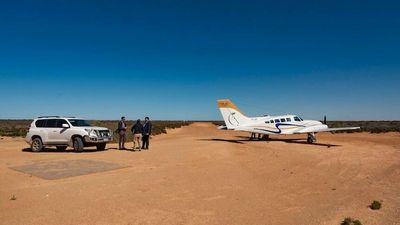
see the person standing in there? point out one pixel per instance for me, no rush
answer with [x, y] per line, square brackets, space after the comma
[122, 133]
[137, 131]
[147, 127]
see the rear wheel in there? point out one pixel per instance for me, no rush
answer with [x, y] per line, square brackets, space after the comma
[37, 145]
[61, 148]
[101, 146]
[78, 144]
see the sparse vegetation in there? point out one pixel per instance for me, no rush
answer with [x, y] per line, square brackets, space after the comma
[18, 128]
[368, 126]
[159, 127]
[375, 205]
[351, 221]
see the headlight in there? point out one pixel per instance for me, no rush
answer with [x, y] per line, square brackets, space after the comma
[92, 132]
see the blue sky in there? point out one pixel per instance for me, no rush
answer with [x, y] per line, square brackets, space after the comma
[173, 59]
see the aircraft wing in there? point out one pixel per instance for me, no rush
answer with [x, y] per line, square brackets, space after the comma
[317, 129]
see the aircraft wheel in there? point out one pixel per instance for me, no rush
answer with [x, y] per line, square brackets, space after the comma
[311, 138]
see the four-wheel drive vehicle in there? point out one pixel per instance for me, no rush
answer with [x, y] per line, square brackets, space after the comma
[66, 131]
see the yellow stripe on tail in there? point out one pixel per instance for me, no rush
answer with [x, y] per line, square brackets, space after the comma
[226, 103]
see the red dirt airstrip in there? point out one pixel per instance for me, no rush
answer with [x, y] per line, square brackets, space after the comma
[200, 175]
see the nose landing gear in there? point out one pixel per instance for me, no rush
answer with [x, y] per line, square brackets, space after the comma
[311, 138]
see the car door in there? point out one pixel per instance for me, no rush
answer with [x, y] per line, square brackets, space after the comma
[42, 130]
[52, 131]
[63, 133]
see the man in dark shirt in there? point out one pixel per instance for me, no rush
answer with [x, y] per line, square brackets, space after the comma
[137, 131]
[122, 133]
[146, 132]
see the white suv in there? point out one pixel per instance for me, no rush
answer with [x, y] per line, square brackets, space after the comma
[66, 131]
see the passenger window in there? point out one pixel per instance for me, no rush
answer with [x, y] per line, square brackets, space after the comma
[40, 123]
[283, 120]
[288, 120]
[60, 123]
[51, 123]
[296, 118]
[271, 121]
[266, 121]
[277, 120]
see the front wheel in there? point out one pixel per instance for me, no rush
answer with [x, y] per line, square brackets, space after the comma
[101, 146]
[78, 144]
[37, 145]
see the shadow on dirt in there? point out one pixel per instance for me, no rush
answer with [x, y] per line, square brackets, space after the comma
[289, 140]
[54, 150]
[223, 140]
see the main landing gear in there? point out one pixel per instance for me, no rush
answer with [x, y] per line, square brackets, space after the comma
[311, 138]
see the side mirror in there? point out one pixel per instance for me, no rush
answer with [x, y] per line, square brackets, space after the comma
[65, 125]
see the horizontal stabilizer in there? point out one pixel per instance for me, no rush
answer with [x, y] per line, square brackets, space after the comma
[222, 128]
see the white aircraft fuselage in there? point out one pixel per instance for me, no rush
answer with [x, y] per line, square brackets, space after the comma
[271, 125]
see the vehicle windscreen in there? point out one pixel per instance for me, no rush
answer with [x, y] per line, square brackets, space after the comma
[79, 123]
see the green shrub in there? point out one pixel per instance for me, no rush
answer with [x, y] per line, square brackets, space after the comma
[350, 221]
[375, 205]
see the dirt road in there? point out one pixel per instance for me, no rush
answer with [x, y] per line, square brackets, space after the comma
[199, 175]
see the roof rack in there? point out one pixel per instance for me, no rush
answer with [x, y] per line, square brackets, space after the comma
[49, 117]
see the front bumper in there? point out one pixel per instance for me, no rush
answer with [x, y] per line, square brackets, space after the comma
[95, 140]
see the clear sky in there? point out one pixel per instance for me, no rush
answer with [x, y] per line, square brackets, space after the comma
[173, 59]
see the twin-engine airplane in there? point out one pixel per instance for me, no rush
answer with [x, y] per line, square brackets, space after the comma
[267, 125]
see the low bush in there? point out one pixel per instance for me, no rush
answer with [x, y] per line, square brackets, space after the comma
[350, 221]
[375, 205]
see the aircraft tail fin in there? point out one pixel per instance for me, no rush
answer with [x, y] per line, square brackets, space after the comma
[233, 117]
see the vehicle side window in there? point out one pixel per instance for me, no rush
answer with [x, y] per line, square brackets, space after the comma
[296, 118]
[271, 121]
[40, 123]
[283, 120]
[277, 120]
[288, 120]
[61, 122]
[266, 121]
[51, 123]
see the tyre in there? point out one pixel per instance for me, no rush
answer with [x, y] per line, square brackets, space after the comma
[78, 144]
[310, 140]
[61, 148]
[37, 145]
[101, 146]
